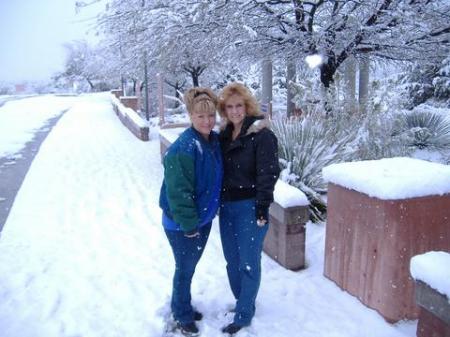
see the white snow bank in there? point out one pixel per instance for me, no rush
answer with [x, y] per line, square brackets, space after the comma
[289, 196]
[391, 178]
[433, 268]
[21, 118]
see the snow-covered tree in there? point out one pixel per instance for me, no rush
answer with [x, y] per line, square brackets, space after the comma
[389, 29]
[84, 62]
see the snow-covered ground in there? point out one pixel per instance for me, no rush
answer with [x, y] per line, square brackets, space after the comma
[83, 252]
[20, 118]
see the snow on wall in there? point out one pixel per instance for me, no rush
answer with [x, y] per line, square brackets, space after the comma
[130, 113]
[433, 268]
[391, 178]
[289, 196]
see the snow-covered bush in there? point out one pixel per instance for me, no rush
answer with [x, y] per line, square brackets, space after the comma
[441, 82]
[377, 138]
[429, 81]
[308, 144]
[307, 94]
[5, 89]
[422, 128]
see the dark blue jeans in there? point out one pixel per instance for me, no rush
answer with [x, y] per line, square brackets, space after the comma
[187, 253]
[242, 242]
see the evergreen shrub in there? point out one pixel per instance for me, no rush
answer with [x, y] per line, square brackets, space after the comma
[308, 144]
[422, 129]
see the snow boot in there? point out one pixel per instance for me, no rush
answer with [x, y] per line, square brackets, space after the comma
[188, 329]
[231, 329]
[198, 316]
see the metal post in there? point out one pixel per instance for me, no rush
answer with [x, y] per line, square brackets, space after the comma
[266, 97]
[160, 98]
[147, 114]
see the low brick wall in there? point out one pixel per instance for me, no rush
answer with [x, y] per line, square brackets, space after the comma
[164, 138]
[141, 132]
[117, 92]
[130, 102]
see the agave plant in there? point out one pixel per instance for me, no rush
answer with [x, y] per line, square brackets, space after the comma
[424, 129]
[306, 145]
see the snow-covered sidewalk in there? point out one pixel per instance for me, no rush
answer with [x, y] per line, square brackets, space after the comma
[83, 252]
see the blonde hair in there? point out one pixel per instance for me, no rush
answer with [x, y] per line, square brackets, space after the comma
[200, 100]
[251, 105]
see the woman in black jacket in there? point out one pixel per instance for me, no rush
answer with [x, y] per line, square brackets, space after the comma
[251, 169]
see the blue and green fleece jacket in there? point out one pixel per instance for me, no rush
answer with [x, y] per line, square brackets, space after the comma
[190, 192]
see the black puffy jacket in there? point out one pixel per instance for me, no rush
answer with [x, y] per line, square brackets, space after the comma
[250, 162]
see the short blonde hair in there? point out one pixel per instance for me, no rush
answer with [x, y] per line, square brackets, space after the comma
[251, 105]
[200, 99]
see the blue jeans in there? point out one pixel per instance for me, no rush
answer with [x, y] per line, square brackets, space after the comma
[242, 243]
[187, 253]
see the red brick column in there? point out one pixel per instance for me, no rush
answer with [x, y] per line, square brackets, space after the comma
[117, 92]
[130, 102]
[369, 243]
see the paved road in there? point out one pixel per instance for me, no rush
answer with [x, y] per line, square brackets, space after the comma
[14, 169]
[3, 100]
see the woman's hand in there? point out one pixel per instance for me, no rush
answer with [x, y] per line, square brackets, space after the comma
[261, 222]
[262, 215]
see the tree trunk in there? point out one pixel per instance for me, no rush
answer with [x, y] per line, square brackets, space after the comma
[135, 84]
[327, 71]
[195, 77]
[195, 72]
[178, 86]
[90, 83]
[364, 70]
[290, 76]
[350, 84]
[266, 95]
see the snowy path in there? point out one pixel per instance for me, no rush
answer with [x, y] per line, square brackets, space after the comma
[23, 116]
[83, 252]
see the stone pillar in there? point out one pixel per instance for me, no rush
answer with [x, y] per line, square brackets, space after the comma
[290, 77]
[285, 240]
[130, 102]
[364, 71]
[117, 92]
[350, 84]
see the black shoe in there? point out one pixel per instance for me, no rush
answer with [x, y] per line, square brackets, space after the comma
[231, 329]
[188, 329]
[198, 316]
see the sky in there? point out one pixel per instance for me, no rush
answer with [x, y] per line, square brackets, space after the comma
[83, 251]
[32, 34]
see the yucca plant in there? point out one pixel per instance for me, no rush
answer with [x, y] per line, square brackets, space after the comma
[424, 129]
[306, 145]
[378, 138]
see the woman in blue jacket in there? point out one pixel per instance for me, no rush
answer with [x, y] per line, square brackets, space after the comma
[190, 198]
[251, 169]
